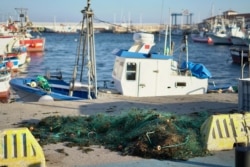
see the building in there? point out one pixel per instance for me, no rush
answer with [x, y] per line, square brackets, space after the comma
[229, 17]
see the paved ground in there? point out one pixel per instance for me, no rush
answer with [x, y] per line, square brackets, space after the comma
[14, 113]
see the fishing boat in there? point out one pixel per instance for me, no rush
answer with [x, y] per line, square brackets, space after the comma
[13, 29]
[19, 52]
[11, 63]
[201, 38]
[240, 33]
[239, 54]
[220, 34]
[5, 77]
[12, 54]
[52, 86]
[138, 72]
[33, 44]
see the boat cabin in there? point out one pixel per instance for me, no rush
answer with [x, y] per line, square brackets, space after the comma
[139, 73]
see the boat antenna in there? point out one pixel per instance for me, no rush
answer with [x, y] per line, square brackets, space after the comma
[86, 52]
[170, 33]
[186, 49]
[22, 14]
[166, 48]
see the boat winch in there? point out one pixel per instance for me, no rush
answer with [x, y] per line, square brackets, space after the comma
[78, 85]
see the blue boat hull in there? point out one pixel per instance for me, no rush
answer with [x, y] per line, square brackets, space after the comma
[59, 90]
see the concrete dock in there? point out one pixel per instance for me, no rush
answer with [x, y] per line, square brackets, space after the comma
[13, 114]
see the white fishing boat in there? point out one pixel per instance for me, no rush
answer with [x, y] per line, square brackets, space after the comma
[219, 34]
[5, 77]
[138, 72]
[240, 33]
[12, 54]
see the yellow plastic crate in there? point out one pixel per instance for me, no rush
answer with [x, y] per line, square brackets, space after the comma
[18, 147]
[224, 131]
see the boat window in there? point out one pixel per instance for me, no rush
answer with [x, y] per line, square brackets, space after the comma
[181, 84]
[131, 71]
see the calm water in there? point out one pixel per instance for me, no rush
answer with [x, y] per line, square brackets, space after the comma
[60, 54]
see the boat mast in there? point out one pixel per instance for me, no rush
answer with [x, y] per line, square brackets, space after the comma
[22, 16]
[89, 43]
[170, 34]
[86, 52]
[186, 49]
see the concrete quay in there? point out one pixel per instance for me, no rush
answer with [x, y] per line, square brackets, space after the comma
[102, 27]
[13, 114]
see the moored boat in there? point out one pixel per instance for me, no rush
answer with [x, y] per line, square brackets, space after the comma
[5, 77]
[20, 52]
[139, 73]
[239, 54]
[53, 87]
[220, 34]
[201, 37]
[13, 56]
[33, 44]
[42, 88]
[240, 33]
[12, 29]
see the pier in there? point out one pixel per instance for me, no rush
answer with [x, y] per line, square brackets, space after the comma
[72, 27]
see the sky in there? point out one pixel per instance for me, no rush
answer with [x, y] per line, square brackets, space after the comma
[118, 11]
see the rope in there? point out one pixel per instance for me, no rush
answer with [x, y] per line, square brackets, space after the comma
[159, 147]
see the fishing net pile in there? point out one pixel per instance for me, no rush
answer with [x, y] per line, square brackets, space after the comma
[143, 133]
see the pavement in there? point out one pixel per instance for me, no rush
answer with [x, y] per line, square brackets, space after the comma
[13, 114]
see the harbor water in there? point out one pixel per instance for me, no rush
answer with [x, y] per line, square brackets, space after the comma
[61, 49]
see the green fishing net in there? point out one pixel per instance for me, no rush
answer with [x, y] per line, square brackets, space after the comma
[43, 83]
[143, 133]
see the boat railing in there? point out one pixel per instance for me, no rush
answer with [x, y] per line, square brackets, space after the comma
[244, 65]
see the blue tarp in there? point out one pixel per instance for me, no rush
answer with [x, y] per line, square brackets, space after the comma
[197, 70]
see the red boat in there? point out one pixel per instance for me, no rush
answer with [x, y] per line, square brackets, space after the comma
[33, 44]
[20, 31]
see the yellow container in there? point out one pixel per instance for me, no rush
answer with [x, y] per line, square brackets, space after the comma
[18, 147]
[224, 131]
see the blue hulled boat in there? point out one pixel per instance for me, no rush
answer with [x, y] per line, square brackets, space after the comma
[54, 88]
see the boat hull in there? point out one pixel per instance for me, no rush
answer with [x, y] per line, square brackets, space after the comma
[138, 75]
[5, 77]
[202, 40]
[239, 54]
[220, 40]
[21, 57]
[34, 44]
[59, 90]
[238, 41]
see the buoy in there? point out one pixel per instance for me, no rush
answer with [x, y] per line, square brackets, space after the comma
[28, 60]
[46, 98]
[33, 84]
[9, 64]
[210, 40]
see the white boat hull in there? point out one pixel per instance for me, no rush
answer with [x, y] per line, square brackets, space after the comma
[154, 77]
[5, 77]
[238, 41]
[220, 40]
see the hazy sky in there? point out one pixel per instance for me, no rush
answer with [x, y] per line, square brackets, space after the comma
[137, 11]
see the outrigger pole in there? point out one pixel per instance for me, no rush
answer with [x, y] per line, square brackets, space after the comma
[86, 52]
